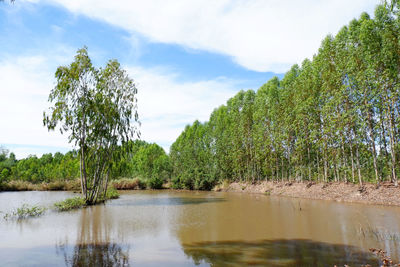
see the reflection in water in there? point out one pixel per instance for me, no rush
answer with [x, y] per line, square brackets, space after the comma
[170, 228]
[94, 246]
[277, 253]
[95, 255]
[168, 201]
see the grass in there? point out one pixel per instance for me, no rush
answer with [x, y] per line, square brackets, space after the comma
[79, 202]
[70, 204]
[25, 211]
[222, 186]
[378, 234]
[18, 185]
[128, 184]
[112, 193]
[69, 185]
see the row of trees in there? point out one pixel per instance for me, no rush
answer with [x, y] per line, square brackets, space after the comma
[148, 162]
[334, 118]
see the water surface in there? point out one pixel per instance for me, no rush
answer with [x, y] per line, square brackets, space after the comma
[169, 228]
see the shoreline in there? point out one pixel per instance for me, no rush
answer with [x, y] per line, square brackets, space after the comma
[386, 194]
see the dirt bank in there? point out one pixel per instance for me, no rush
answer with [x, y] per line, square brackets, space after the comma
[386, 194]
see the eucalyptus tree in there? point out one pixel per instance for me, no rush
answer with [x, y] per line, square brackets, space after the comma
[386, 65]
[337, 117]
[221, 143]
[192, 158]
[288, 117]
[98, 109]
[262, 130]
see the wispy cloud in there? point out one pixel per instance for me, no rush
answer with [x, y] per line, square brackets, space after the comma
[261, 35]
[25, 84]
[166, 105]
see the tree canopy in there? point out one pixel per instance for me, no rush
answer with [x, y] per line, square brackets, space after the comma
[333, 118]
[98, 109]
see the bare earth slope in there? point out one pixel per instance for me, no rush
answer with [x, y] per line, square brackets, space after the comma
[385, 194]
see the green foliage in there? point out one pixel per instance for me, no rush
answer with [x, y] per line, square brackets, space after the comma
[112, 193]
[334, 118]
[70, 203]
[98, 109]
[79, 202]
[143, 165]
[25, 211]
[192, 159]
[47, 168]
[155, 182]
[151, 164]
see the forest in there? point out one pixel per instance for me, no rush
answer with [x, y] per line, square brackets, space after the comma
[334, 118]
[145, 161]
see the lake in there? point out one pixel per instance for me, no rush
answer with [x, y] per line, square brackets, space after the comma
[187, 228]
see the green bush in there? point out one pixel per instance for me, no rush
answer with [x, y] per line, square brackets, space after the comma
[155, 182]
[70, 203]
[112, 193]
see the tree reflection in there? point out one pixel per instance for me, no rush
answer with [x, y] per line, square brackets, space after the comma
[277, 253]
[97, 255]
[94, 246]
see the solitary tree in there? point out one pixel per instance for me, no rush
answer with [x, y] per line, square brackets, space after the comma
[98, 109]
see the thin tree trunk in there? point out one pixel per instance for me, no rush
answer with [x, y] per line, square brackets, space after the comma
[325, 167]
[83, 172]
[372, 137]
[344, 162]
[393, 146]
[309, 162]
[358, 165]
[318, 177]
[352, 159]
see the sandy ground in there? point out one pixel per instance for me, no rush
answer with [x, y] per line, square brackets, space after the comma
[385, 194]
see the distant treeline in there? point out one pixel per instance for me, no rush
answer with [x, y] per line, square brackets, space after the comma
[334, 118]
[148, 162]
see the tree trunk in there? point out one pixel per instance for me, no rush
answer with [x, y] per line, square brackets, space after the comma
[83, 172]
[372, 137]
[352, 159]
[358, 165]
[393, 146]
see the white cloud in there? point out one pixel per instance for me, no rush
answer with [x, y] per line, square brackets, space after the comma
[262, 35]
[25, 84]
[165, 104]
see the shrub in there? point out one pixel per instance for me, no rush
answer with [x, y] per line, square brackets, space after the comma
[56, 186]
[155, 182]
[70, 203]
[128, 184]
[112, 193]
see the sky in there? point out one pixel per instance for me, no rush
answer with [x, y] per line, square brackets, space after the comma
[187, 57]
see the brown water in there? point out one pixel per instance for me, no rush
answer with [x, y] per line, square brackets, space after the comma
[167, 228]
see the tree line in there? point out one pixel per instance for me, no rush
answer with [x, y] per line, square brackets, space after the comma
[146, 161]
[334, 118]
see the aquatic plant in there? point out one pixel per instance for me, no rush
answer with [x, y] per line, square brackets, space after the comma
[112, 193]
[70, 204]
[25, 211]
[79, 202]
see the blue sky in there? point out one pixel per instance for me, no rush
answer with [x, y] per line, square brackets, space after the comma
[187, 57]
